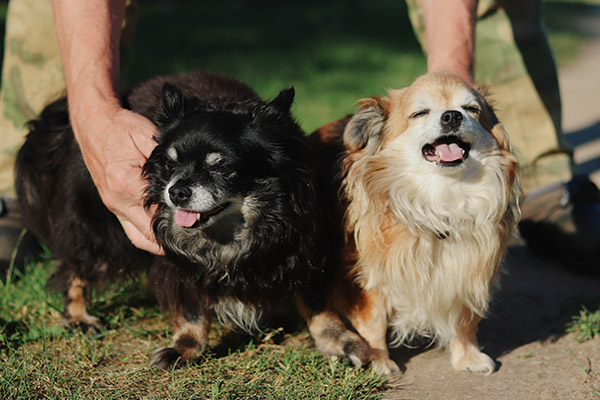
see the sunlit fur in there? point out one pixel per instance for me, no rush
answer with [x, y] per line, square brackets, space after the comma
[428, 240]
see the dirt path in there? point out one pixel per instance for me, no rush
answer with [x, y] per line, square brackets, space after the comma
[526, 331]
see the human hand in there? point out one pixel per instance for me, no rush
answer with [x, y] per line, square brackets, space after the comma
[115, 144]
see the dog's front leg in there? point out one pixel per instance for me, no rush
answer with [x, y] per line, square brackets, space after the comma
[75, 311]
[369, 317]
[189, 341]
[464, 351]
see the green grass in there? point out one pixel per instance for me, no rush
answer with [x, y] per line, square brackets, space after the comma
[586, 325]
[40, 358]
[86, 368]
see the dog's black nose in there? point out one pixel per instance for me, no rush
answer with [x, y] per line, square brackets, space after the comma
[179, 193]
[451, 120]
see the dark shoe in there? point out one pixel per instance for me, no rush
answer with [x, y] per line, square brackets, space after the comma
[563, 223]
[17, 246]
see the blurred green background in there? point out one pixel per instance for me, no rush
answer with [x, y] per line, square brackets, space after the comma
[333, 52]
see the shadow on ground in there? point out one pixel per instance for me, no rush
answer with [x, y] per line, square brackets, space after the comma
[535, 303]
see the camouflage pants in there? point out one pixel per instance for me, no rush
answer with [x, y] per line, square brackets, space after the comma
[32, 74]
[524, 84]
[529, 108]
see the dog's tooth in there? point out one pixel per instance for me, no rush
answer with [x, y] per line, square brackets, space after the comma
[198, 216]
[440, 155]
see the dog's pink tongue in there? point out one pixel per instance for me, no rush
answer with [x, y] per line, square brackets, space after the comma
[185, 218]
[448, 152]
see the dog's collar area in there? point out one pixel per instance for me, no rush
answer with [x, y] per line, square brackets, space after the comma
[447, 151]
[442, 235]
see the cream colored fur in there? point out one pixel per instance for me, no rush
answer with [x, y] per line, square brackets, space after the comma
[401, 207]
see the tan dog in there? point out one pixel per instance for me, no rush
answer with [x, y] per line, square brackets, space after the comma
[428, 187]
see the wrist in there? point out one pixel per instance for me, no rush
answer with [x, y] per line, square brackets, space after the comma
[462, 69]
[91, 91]
[91, 101]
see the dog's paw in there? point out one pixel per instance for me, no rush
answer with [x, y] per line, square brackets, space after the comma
[384, 366]
[473, 360]
[355, 348]
[166, 358]
[332, 338]
[86, 322]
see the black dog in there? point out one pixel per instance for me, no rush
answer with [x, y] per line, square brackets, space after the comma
[233, 180]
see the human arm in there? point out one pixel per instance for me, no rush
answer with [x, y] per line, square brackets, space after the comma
[114, 142]
[450, 36]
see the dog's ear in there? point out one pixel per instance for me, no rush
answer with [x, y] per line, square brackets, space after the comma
[278, 108]
[490, 121]
[366, 126]
[501, 136]
[174, 103]
[283, 101]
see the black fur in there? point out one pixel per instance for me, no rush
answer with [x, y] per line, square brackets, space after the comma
[266, 157]
[263, 248]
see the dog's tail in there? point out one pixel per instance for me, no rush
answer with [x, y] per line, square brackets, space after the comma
[40, 157]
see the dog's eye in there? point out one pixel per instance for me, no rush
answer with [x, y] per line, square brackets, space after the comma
[472, 109]
[222, 169]
[420, 113]
[171, 166]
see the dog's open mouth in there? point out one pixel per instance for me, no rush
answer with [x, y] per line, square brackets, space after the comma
[447, 151]
[187, 219]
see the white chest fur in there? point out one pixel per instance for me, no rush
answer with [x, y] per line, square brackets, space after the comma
[432, 248]
[426, 281]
